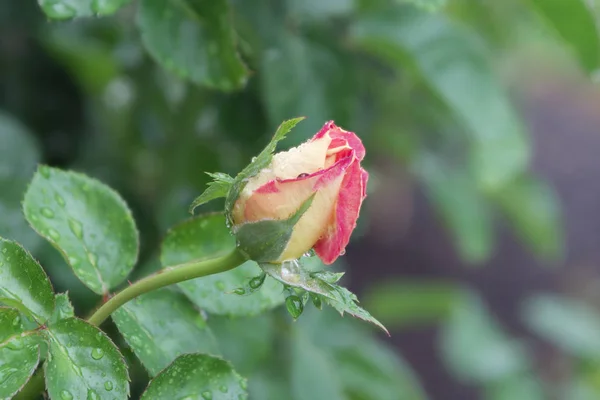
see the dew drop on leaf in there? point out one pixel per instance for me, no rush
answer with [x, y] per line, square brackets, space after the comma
[207, 395]
[53, 234]
[48, 213]
[76, 228]
[66, 395]
[294, 306]
[108, 385]
[59, 199]
[220, 285]
[92, 395]
[97, 353]
[45, 171]
[223, 389]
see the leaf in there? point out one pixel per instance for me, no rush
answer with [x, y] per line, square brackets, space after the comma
[19, 155]
[196, 375]
[216, 189]
[575, 23]
[532, 207]
[194, 39]
[312, 372]
[83, 363]
[207, 236]
[246, 342]
[340, 298]
[266, 240]
[23, 283]
[366, 367]
[454, 64]
[408, 303]
[162, 325]
[19, 353]
[63, 308]
[67, 9]
[87, 222]
[463, 208]
[259, 162]
[569, 324]
[294, 79]
[476, 349]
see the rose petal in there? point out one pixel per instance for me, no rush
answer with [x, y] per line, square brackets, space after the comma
[338, 135]
[343, 220]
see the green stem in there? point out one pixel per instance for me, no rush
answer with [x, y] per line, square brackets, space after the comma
[166, 277]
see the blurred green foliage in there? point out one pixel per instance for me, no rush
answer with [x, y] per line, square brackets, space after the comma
[152, 94]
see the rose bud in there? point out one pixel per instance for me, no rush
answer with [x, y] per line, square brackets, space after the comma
[308, 197]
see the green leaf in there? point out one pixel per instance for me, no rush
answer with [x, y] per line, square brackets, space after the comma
[576, 24]
[19, 155]
[323, 284]
[23, 283]
[162, 325]
[216, 189]
[295, 75]
[569, 324]
[366, 367]
[517, 387]
[67, 9]
[87, 222]
[532, 208]
[246, 342]
[207, 236]
[83, 363]
[463, 208]
[196, 376]
[455, 66]
[404, 303]
[63, 308]
[258, 163]
[19, 353]
[194, 39]
[312, 376]
[476, 349]
[266, 240]
[427, 5]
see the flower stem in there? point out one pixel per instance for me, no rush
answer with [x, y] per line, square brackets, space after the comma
[166, 277]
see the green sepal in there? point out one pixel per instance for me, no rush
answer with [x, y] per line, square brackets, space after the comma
[219, 187]
[322, 287]
[264, 241]
[258, 163]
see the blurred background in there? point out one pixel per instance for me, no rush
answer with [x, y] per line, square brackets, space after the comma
[479, 245]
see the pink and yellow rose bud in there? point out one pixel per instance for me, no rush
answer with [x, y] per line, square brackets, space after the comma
[319, 186]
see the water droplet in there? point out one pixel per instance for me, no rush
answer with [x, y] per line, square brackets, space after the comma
[34, 218]
[74, 261]
[76, 228]
[343, 252]
[223, 389]
[242, 397]
[207, 395]
[294, 306]
[16, 321]
[239, 291]
[93, 258]
[66, 395]
[48, 213]
[316, 301]
[243, 383]
[59, 199]
[257, 281]
[5, 250]
[108, 385]
[53, 234]
[92, 395]
[45, 171]
[220, 285]
[135, 340]
[97, 353]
